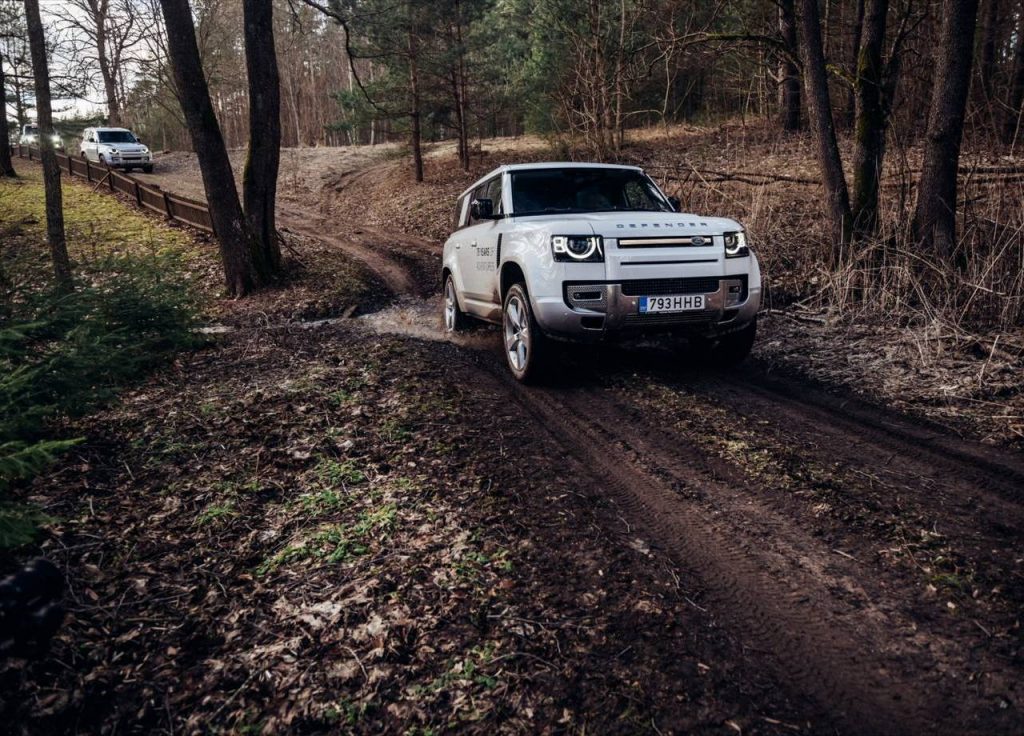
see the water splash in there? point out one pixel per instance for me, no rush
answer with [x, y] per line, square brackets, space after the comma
[421, 318]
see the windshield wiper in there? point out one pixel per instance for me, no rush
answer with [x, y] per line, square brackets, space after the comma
[547, 211]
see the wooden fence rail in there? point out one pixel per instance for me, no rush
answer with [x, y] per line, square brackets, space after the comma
[151, 197]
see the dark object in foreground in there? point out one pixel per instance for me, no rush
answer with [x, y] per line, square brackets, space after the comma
[30, 609]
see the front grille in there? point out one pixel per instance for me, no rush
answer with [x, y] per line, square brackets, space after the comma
[667, 242]
[655, 287]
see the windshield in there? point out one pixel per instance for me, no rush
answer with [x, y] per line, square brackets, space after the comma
[31, 130]
[116, 136]
[547, 191]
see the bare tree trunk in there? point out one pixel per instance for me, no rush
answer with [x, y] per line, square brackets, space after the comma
[789, 73]
[1016, 96]
[819, 106]
[989, 40]
[850, 113]
[51, 173]
[6, 165]
[460, 93]
[415, 135]
[259, 178]
[872, 118]
[618, 134]
[236, 240]
[100, 15]
[935, 216]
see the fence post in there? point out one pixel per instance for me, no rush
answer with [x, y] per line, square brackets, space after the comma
[110, 177]
[167, 206]
[88, 172]
[138, 194]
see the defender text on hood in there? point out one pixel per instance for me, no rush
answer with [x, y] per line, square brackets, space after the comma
[589, 251]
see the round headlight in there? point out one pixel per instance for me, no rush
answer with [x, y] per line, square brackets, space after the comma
[580, 247]
[735, 243]
[576, 247]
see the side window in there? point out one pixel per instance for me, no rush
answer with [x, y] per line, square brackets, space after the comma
[494, 194]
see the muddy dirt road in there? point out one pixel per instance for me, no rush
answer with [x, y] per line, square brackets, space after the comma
[868, 564]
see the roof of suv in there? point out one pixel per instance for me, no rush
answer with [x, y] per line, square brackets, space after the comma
[545, 165]
[107, 130]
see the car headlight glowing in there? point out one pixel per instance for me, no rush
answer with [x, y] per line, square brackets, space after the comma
[577, 248]
[736, 245]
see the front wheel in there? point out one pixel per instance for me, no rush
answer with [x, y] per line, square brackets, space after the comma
[733, 348]
[525, 346]
[148, 169]
[454, 318]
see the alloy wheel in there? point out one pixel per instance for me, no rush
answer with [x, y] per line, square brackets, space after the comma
[517, 333]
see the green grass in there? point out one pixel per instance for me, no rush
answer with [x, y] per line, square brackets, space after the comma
[334, 473]
[62, 355]
[97, 224]
[337, 543]
[215, 512]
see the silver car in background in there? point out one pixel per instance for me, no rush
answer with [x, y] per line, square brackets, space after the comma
[30, 137]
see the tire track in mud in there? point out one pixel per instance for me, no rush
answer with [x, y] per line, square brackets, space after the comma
[931, 451]
[822, 648]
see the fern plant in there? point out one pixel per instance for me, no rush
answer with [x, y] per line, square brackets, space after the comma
[62, 355]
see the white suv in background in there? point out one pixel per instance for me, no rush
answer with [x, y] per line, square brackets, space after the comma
[30, 137]
[588, 251]
[115, 147]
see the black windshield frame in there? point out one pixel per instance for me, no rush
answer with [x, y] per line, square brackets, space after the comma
[578, 190]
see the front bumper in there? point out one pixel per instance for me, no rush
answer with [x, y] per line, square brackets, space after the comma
[590, 311]
[124, 162]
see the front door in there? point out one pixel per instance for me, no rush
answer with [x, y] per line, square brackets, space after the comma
[89, 146]
[479, 252]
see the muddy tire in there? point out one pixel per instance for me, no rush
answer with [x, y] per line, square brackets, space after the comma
[525, 346]
[452, 317]
[148, 169]
[732, 349]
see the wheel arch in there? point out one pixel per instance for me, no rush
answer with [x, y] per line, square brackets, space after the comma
[446, 271]
[511, 273]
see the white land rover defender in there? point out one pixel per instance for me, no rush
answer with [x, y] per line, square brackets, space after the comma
[588, 251]
[118, 148]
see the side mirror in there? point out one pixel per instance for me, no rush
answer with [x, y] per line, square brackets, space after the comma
[481, 209]
[676, 204]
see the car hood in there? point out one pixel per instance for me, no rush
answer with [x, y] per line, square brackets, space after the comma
[622, 224]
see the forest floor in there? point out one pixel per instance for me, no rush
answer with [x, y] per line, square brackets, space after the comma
[359, 526]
